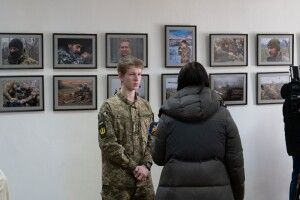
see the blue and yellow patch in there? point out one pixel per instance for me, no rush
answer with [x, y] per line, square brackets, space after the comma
[102, 129]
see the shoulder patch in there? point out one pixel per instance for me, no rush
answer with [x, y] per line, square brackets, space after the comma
[102, 127]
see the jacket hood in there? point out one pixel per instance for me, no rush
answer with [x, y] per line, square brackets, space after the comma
[191, 104]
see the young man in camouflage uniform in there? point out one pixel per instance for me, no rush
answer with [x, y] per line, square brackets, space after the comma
[124, 120]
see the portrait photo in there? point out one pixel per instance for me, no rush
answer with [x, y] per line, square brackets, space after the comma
[232, 87]
[180, 45]
[120, 45]
[114, 86]
[275, 49]
[269, 86]
[75, 92]
[228, 50]
[21, 50]
[21, 93]
[74, 51]
[168, 86]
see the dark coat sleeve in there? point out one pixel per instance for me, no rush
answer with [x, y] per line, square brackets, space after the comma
[234, 160]
[158, 149]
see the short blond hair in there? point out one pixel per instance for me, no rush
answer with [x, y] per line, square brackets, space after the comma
[128, 61]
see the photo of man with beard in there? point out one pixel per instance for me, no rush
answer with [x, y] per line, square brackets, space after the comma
[17, 54]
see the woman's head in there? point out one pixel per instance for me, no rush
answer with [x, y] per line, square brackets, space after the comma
[192, 74]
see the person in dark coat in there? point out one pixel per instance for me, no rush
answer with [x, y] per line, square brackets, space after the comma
[198, 143]
[291, 114]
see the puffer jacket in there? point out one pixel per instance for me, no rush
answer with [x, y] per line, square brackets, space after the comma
[199, 146]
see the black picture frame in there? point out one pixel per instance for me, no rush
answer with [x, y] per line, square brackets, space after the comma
[275, 49]
[168, 86]
[74, 51]
[114, 85]
[232, 87]
[268, 87]
[175, 36]
[118, 44]
[228, 49]
[21, 93]
[74, 92]
[30, 43]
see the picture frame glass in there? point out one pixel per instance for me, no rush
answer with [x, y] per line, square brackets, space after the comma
[228, 50]
[114, 86]
[21, 51]
[75, 92]
[275, 49]
[180, 45]
[21, 93]
[78, 51]
[120, 45]
[269, 87]
[232, 87]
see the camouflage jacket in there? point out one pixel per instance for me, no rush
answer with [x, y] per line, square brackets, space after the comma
[65, 57]
[123, 139]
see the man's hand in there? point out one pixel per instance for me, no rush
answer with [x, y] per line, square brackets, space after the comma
[141, 173]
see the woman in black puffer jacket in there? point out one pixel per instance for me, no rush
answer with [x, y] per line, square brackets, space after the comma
[198, 143]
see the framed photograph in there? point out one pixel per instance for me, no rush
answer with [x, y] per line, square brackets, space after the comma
[168, 86]
[180, 45]
[231, 86]
[21, 50]
[75, 92]
[120, 45]
[275, 49]
[74, 51]
[21, 93]
[114, 85]
[269, 85]
[228, 50]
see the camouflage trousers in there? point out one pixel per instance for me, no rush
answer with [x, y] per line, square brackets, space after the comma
[145, 192]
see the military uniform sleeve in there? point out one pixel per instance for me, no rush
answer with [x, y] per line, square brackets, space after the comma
[158, 150]
[147, 159]
[108, 143]
[234, 158]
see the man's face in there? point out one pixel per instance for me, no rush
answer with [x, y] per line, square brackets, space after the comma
[132, 78]
[272, 51]
[75, 48]
[125, 49]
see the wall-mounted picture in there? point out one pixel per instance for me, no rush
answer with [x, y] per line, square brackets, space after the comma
[75, 92]
[228, 50]
[269, 85]
[21, 50]
[231, 86]
[120, 45]
[74, 51]
[168, 86]
[275, 49]
[180, 45]
[114, 86]
[21, 93]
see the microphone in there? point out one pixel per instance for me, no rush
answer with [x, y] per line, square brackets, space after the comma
[152, 129]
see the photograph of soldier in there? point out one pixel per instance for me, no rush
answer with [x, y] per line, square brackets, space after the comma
[169, 86]
[231, 87]
[269, 86]
[114, 86]
[21, 51]
[74, 92]
[228, 50]
[122, 45]
[180, 45]
[275, 50]
[74, 51]
[21, 93]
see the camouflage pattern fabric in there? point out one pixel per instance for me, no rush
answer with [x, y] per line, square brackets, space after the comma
[124, 141]
[65, 57]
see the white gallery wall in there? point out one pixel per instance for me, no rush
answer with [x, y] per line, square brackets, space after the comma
[54, 155]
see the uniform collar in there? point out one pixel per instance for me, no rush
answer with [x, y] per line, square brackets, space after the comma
[121, 96]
